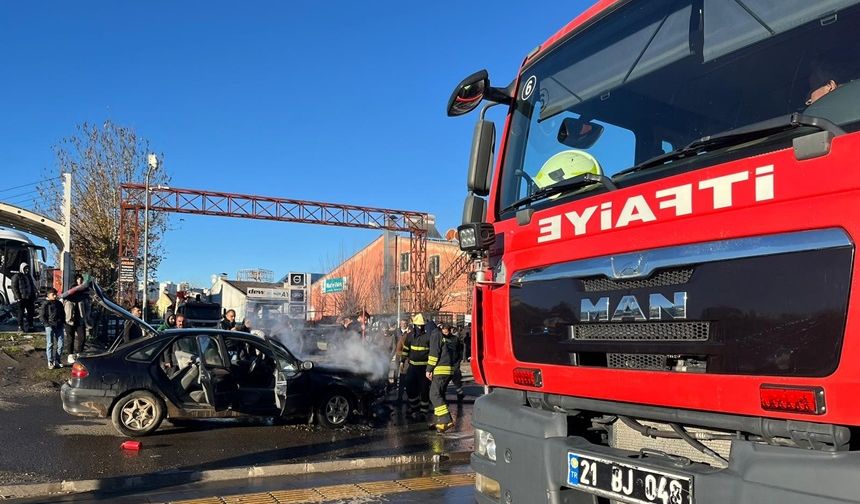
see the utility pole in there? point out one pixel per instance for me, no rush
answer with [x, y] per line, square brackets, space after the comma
[66, 264]
[397, 274]
[152, 161]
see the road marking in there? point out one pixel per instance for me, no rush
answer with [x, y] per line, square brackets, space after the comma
[341, 492]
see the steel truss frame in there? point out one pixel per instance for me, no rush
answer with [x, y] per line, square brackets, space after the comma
[248, 206]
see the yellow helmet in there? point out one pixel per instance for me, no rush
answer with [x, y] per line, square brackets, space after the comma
[418, 319]
[566, 165]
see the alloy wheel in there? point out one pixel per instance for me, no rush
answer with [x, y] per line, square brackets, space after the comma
[337, 409]
[138, 414]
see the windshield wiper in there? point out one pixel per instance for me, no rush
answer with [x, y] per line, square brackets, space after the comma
[583, 180]
[736, 136]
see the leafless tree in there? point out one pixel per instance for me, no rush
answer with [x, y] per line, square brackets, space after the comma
[444, 288]
[100, 159]
[362, 289]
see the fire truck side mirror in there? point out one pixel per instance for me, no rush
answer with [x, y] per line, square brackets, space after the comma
[468, 94]
[474, 209]
[481, 158]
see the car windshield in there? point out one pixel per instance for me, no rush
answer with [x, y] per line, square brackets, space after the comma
[656, 76]
[202, 311]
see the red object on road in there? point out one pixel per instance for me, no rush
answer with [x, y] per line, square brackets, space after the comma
[130, 445]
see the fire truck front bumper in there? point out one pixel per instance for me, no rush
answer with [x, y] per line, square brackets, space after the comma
[537, 459]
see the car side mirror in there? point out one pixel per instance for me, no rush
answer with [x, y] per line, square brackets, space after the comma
[307, 365]
[578, 133]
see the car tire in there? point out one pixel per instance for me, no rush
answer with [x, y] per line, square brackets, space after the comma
[137, 414]
[334, 409]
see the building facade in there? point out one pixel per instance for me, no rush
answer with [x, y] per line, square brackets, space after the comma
[376, 276]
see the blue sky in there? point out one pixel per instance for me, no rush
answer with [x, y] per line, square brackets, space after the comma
[334, 101]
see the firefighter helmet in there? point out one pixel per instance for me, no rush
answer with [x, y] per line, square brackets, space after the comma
[566, 165]
[418, 319]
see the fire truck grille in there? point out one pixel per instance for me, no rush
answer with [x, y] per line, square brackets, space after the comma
[623, 437]
[636, 361]
[643, 331]
[666, 277]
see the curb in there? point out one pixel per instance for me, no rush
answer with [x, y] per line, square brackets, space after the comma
[169, 478]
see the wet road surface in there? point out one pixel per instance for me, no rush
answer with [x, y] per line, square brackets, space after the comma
[412, 485]
[39, 442]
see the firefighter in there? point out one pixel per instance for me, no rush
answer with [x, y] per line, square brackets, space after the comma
[403, 364]
[440, 370]
[416, 348]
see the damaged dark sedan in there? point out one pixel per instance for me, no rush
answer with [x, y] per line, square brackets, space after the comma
[207, 373]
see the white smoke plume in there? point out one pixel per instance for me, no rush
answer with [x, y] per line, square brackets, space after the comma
[331, 346]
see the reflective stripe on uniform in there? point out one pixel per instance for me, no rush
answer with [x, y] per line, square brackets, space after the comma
[433, 360]
[441, 410]
[443, 370]
[418, 363]
[419, 348]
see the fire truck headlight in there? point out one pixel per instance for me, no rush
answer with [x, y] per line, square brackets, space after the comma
[476, 236]
[485, 444]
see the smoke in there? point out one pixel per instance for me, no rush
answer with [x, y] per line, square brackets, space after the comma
[331, 346]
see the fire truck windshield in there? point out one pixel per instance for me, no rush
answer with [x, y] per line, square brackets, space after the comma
[652, 77]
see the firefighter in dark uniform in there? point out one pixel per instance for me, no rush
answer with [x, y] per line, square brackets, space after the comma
[416, 349]
[440, 370]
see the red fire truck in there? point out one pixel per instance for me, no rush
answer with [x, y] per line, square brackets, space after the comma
[664, 258]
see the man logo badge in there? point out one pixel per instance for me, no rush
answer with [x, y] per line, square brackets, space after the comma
[628, 308]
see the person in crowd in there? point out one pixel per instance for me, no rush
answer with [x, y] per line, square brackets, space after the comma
[403, 363]
[467, 342]
[52, 316]
[181, 323]
[416, 349]
[169, 323]
[24, 289]
[457, 377]
[362, 323]
[229, 320]
[76, 304]
[440, 368]
[164, 303]
[131, 330]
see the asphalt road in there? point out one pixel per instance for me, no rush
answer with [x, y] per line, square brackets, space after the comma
[39, 442]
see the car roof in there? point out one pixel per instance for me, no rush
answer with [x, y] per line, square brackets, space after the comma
[222, 332]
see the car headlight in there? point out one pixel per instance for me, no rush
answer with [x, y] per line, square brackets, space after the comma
[485, 444]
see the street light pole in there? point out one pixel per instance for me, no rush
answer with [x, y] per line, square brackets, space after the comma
[397, 275]
[396, 265]
[152, 162]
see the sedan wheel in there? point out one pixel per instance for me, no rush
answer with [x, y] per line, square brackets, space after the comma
[138, 414]
[334, 409]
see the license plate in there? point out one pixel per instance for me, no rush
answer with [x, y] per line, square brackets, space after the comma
[626, 482]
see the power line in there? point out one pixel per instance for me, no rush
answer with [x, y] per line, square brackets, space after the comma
[27, 185]
[20, 201]
[24, 185]
[31, 193]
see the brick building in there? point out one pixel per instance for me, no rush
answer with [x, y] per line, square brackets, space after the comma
[374, 274]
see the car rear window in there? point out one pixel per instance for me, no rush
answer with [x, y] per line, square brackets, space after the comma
[146, 353]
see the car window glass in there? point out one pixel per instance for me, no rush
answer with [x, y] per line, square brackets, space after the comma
[146, 353]
[209, 351]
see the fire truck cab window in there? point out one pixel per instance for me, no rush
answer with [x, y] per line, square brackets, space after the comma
[659, 75]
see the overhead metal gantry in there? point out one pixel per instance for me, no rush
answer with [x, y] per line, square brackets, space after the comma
[248, 206]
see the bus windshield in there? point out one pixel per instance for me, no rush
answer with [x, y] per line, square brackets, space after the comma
[655, 76]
